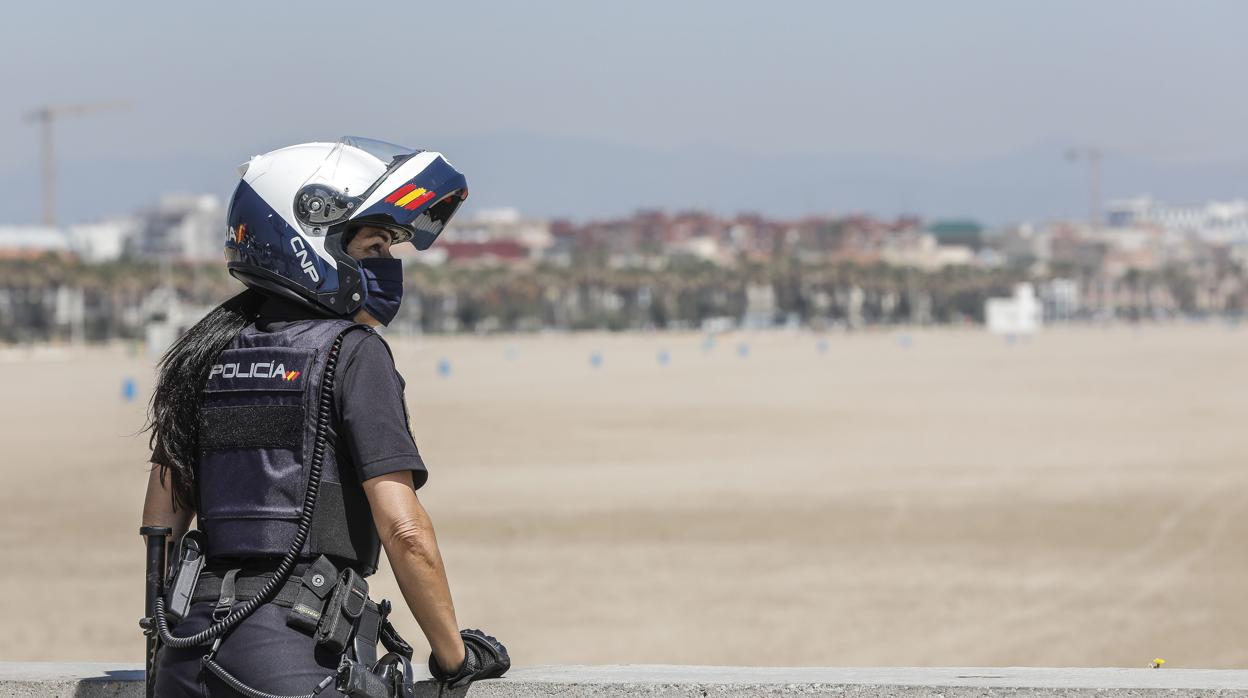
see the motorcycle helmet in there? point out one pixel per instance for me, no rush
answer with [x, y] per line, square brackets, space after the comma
[295, 208]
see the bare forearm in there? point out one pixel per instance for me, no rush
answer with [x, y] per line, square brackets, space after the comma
[418, 569]
[412, 548]
[158, 509]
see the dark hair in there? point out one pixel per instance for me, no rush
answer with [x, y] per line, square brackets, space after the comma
[173, 414]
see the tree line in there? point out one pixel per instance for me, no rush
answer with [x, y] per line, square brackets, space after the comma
[55, 298]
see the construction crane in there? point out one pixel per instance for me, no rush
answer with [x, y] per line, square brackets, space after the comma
[1093, 155]
[46, 117]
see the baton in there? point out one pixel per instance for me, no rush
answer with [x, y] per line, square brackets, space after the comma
[157, 537]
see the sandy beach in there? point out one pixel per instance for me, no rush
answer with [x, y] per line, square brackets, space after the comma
[937, 497]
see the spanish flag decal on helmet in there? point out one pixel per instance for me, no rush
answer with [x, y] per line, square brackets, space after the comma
[409, 196]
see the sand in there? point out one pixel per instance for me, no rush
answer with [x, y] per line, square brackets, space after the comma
[900, 498]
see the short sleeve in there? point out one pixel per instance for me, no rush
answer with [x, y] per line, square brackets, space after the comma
[374, 423]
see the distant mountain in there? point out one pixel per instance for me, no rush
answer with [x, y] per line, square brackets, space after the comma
[550, 176]
[580, 179]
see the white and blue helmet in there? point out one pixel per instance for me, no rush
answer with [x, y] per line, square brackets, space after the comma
[294, 208]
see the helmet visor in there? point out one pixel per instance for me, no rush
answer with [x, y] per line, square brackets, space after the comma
[415, 198]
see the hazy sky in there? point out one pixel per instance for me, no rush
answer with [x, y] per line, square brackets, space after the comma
[594, 108]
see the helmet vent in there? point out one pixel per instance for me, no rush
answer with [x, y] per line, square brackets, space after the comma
[317, 205]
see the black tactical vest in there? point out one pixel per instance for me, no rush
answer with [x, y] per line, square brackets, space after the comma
[257, 425]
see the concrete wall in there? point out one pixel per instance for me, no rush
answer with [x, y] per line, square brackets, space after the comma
[98, 680]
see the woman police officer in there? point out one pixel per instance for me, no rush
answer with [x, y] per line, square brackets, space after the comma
[278, 422]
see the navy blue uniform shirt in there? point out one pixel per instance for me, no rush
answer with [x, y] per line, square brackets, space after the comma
[373, 425]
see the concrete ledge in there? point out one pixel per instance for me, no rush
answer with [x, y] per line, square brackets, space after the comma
[85, 680]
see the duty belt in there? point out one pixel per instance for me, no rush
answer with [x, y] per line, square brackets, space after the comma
[246, 585]
[331, 606]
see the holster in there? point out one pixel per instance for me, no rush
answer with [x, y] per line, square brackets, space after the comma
[391, 677]
[359, 681]
[191, 557]
[342, 612]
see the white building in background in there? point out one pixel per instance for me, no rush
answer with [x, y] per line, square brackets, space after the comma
[492, 225]
[184, 227]
[32, 240]
[705, 248]
[94, 242]
[1216, 221]
[1018, 315]
[922, 250]
[1060, 298]
[760, 306]
[100, 242]
[166, 317]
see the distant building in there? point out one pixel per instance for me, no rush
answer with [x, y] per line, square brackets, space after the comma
[100, 242]
[1020, 314]
[506, 224]
[1216, 221]
[94, 242]
[760, 306]
[490, 252]
[705, 248]
[1060, 298]
[1025, 244]
[165, 317]
[958, 233]
[921, 251]
[27, 241]
[187, 228]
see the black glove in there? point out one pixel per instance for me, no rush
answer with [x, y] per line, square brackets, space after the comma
[484, 658]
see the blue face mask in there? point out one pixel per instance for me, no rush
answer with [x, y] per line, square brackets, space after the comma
[383, 287]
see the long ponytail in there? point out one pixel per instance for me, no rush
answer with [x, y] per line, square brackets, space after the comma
[173, 414]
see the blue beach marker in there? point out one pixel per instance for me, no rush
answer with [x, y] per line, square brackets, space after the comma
[595, 360]
[743, 350]
[664, 357]
[444, 367]
[129, 390]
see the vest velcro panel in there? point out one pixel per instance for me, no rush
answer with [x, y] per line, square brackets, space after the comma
[251, 426]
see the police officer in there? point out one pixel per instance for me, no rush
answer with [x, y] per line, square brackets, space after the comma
[278, 423]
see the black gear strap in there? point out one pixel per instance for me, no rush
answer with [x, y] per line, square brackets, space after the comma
[393, 641]
[246, 586]
[226, 598]
[364, 643]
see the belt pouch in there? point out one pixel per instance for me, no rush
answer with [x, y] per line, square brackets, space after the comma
[342, 612]
[190, 563]
[318, 581]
